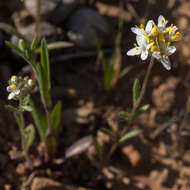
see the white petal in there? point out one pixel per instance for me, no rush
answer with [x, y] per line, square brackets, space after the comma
[170, 50]
[134, 51]
[166, 63]
[137, 30]
[140, 39]
[156, 55]
[144, 54]
[8, 89]
[17, 92]
[149, 25]
[161, 21]
[11, 95]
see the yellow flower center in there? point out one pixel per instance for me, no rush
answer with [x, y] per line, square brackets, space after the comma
[13, 77]
[165, 56]
[154, 48]
[176, 36]
[12, 86]
[141, 26]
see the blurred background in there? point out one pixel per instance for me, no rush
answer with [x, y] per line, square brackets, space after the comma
[79, 32]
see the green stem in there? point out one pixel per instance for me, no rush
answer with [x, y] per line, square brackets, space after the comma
[38, 16]
[142, 93]
[144, 86]
[22, 124]
[47, 110]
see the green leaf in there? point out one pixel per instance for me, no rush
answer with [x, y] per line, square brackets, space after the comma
[27, 108]
[11, 45]
[108, 132]
[136, 91]
[34, 43]
[29, 136]
[141, 110]
[185, 133]
[125, 114]
[22, 45]
[116, 170]
[45, 61]
[44, 72]
[129, 135]
[19, 51]
[108, 75]
[37, 121]
[56, 118]
[99, 149]
[119, 34]
[26, 100]
[126, 70]
[11, 108]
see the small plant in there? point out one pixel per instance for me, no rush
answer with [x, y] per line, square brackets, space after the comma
[153, 41]
[112, 68]
[20, 89]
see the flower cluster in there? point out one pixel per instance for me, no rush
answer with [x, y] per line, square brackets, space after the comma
[155, 40]
[19, 87]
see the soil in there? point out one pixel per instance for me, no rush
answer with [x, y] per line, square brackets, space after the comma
[158, 159]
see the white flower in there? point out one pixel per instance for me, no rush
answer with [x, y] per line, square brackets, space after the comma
[162, 22]
[30, 82]
[141, 49]
[155, 40]
[164, 58]
[13, 94]
[19, 87]
[141, 31]
[14, 91]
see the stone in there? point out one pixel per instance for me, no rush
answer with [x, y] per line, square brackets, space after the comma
[45, 30]
[88, 29]
[55, 11]
[43, 183]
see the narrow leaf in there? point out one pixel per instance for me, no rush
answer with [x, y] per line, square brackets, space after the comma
[37, 120]
[99, 149]
[27, 108]
[130, 135]
[141, 110]
[125, 114]
[185, 133]
[45, 61]
[126, 70]
[11, 45]
[29, 136]
[108, 132]
[56, 118]
[11, 108]
[22, 45]
[136, 91]
[116, 170]
[34, 43]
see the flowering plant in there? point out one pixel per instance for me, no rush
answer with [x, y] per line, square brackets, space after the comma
[155, 40]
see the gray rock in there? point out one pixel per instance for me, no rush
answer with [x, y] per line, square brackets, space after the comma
[54, 11]
[45, 30]
[87, 28]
